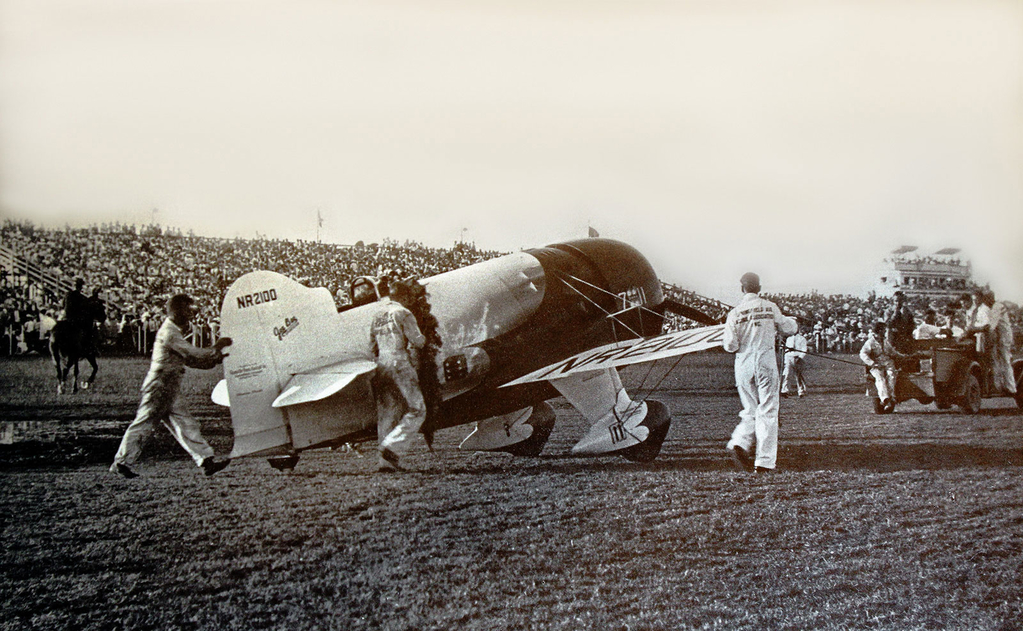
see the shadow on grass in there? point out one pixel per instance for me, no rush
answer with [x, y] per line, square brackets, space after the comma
[792, 457]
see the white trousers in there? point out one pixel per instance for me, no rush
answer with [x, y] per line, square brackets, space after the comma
[160, 403]
[1001, 366]
[758, 391]
[884, 379]
[792, 377]
[400, 406]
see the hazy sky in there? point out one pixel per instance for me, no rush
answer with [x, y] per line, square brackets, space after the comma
[802, 139]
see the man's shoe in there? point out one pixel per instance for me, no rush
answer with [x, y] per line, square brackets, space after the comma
[211, 465]
[785, 395]
[389, 461]
[742, 458]
[123, 470]
[764, 470]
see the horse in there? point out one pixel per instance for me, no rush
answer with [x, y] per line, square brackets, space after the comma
[68, 342]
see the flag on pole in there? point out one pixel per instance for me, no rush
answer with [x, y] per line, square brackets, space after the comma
[592, 232]
[319, 219]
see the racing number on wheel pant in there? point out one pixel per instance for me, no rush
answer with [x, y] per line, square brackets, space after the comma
[617, 432]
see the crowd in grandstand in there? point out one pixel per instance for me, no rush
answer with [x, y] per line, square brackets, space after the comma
[136, 270]
[926, 260]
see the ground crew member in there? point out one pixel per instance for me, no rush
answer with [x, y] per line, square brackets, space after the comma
[396, 341]
[795, 357]
[171, 353]
[1003, 380]
[879, 356]
[750, 331]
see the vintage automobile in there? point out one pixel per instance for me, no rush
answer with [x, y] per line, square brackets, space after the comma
[946, 372]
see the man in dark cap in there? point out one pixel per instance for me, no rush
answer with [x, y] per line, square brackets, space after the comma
[171, 353]
[901, 324]
[750, 331]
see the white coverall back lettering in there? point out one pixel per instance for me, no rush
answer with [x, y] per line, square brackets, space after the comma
[750, 331]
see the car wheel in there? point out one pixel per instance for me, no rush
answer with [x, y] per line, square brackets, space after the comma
[1017, 370]
[970, 402]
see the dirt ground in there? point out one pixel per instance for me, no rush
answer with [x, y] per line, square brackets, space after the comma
[904, 521]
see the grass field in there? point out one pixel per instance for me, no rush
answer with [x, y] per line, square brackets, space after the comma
[907, 521]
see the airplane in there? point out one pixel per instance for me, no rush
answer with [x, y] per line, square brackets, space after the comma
[515, 331]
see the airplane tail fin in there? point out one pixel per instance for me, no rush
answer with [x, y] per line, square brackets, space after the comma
[291, 380]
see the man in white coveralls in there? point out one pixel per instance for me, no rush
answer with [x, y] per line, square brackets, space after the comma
[171, 353]
[879, 355]
[750, 331]
[396, 341]
[795, 354]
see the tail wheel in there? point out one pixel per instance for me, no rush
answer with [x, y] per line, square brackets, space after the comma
[283, 463]
[658, 421]
[970, 401]
[542, 419]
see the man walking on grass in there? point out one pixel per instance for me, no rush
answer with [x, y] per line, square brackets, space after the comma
[160, 402]
[750, 331]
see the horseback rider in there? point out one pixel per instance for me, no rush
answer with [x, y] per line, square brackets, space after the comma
[77, 312]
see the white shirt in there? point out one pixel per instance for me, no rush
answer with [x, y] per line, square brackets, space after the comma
[926, 332]
[795, 345]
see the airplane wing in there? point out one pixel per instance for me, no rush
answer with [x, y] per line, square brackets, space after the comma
[628, 352]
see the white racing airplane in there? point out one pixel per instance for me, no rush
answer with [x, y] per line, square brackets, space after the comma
[515, 331]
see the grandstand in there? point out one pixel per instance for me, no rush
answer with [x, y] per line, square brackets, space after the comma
[137, 269]
[939, 275]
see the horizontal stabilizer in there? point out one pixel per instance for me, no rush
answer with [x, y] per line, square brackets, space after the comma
[629, 352]
[322, 382]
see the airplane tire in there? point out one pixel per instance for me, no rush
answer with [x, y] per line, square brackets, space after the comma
[283, 463]
[542, 419]
[658, 420]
